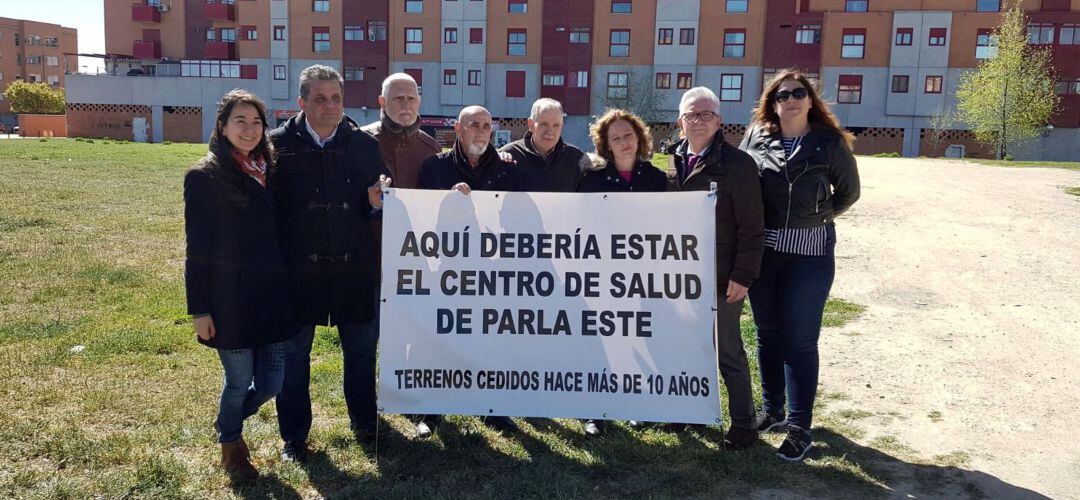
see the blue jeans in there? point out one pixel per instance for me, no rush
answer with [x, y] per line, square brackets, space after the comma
[358, 343]
[252, 377]
[788, 300]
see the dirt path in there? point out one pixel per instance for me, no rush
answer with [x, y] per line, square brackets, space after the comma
[971, 341]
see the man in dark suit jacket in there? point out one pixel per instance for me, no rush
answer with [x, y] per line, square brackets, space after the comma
[326, 177]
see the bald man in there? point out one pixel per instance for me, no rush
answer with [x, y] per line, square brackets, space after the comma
[473, 163]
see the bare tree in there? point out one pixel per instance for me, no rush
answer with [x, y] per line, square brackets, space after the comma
[634, 92]
[940, 123]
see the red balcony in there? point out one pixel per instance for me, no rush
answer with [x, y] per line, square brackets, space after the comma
[141, 13]
[216, 49]
[142, 49]
[219, 11]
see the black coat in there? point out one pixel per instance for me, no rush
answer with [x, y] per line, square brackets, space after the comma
[557, 172]
[448, 168]
[325, 220]
[740, 231]
[811, 188]
[645, 178]
[233, 269]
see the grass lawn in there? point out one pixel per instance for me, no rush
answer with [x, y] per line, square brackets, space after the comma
[91, 253]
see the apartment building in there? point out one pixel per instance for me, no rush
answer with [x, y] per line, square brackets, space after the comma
[889, 66]
[33, 52]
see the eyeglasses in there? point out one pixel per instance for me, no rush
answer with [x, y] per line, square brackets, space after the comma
[799, 94]
[704, 116]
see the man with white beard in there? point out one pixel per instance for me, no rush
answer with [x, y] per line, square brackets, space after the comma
[473, 163]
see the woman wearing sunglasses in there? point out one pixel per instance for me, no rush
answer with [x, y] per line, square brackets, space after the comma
[808, 178]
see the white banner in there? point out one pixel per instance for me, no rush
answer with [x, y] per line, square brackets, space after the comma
[549, 305]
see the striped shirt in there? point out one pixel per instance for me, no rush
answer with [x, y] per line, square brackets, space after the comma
[810, 241]
[791, 145]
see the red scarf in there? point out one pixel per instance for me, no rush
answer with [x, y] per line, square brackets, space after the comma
[254, 166]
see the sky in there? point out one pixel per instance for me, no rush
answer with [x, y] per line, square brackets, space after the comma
[87, 16]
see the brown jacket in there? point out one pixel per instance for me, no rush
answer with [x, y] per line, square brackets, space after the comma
[403, 150]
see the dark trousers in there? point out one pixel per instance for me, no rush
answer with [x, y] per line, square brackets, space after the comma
[734, 367]
[788, 300]
[358, 344]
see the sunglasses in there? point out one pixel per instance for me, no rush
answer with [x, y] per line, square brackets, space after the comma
[799, 94]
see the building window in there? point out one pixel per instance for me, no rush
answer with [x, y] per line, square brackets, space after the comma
[320, 6]
[279, 71]
[474, 77]
[515, 84]
[414, 6]
[354, 74]
[515, 42]
[52, 61]
[856, 6]
[579, 79]
[988, 6]
[808, 34]
[414, 41]
[617, 85]
[665, 36]
[579, 35]
[449, 77]
[54, 80]
[854, 43]
[685, 81]
[279, 33]
[210, 69]
[376, 31]
[1068, 87]
[449, 35]
[250, 32]
[937, 37]
[850, 89]
[737, 5]
[621, 7]
[985, 44]
[1040, 33]
[476, 35]
[355, 34]
[933, 85]
[228, 34]
[735, 43]
[1070, 34]
[900, 84]
[320, 38]
[904, 36]
[554, 80]
[620, 43]
[663, 80]
[730, 88]
[518, 6]
[686, 36]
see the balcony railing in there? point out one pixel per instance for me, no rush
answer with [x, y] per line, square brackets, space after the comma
[216, 49]
[146, 50]
[143, 13]
[219, 10]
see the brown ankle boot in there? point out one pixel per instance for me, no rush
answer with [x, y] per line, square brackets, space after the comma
[236, 464]
[244, 448]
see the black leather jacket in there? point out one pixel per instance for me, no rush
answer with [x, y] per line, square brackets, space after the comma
[810, 189]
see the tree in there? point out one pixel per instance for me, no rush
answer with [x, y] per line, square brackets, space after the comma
[940, 123]
[636, 93]
[1010, 97]
[40, 98]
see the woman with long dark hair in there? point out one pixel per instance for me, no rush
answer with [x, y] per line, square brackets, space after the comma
[808, 178]
[237, 291]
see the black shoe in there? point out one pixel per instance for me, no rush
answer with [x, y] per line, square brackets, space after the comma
[595, 427]
[423, 430]
[364, 433]
[771, 423]
[294, 451]
[796, 445]
[504, 425]
[738, 438]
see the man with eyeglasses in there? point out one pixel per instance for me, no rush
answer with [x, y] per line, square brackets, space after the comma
[545, 161]
[701, 158]
[473, 163]
[325, 183]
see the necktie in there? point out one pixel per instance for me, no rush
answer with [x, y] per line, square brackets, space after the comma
[691, 162]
